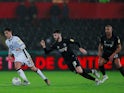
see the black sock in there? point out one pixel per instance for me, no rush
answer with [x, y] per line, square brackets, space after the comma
[84, 74]
[87, 70]
[102, 69]
[121, 69]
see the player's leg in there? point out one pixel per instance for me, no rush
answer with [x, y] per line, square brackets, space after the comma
[21, 72]
[102, 61]
[82, 72]
[119, 66]
[39, 72]
[29, 63]
[76, 66]
[93, 71]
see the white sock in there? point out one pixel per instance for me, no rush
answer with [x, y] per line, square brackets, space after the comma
[22, 74]
[41, 74]
[92, 71]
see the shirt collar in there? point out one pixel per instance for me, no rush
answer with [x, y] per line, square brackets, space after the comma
[10, 38]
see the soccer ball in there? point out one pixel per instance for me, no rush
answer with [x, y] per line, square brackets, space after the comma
[16, 81]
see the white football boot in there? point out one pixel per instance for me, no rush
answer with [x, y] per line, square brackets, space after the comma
[98, 82]
[25, 83]
[95, 72]
[105, 77]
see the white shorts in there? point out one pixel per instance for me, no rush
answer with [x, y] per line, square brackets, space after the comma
[25, 58]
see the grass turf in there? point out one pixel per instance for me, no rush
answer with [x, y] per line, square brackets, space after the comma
[61, 82]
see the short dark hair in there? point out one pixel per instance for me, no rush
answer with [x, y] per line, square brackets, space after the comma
[8, 29]
[108, 26]
[56, 31]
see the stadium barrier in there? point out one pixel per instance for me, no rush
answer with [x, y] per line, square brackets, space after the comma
[51, 62]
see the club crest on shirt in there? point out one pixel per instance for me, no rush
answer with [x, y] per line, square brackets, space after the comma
[72, 40]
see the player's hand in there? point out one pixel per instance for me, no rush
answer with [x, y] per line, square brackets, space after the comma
[10, 58]
[42, 42]
[83, 50]
[111, 57]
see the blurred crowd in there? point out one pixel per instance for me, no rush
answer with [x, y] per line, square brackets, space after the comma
[86, 31]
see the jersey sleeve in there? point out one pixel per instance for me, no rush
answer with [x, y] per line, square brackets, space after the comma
[9, 50]
[118, 41]
[72, 41]
[20, 43]
[48, 50]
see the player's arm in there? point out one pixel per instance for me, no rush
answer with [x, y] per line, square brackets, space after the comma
[72, 41]
[43, 44]
[100, 50]
[10, 56]
[118, 46]
[100, 47]
[118, 49]
[82, 50]
[9, 52]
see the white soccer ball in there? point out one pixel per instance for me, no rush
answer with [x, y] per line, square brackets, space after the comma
[16, 81]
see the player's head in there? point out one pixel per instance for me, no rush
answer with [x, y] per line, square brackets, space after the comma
[8, 33]
[108, 29]
[57, 35]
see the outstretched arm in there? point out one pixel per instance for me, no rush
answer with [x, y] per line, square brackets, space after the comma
[72, 41]
[43, 44]
[118, 49]
[100, 49]
[82, 50]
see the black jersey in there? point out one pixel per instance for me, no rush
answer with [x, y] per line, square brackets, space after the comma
[64, 48]
[110, 45]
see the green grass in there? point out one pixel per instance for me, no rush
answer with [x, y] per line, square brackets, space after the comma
[61, 82]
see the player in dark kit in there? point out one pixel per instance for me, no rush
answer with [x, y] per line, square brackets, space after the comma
[108, 50]
[63, 46]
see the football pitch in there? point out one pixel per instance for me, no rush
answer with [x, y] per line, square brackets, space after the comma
[61, 82]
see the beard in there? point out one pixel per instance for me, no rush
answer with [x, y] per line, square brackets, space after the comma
[56, 39]
[108, 34]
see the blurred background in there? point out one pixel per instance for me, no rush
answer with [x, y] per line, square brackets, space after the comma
[83, 20]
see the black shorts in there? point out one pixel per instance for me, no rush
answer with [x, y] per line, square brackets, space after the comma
[107, 55]
[72, 64]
